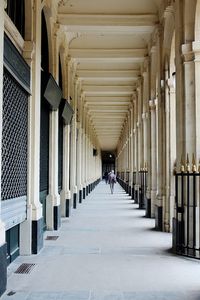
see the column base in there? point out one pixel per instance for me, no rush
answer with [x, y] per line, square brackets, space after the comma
[74, 200]
[80, 196]
[84, 193]
[37, 235]
[56, 217]
[148, 208]
[158, 217]
[3, 268]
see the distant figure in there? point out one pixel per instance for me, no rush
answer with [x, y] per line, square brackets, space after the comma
[106, 177]
[112, 180]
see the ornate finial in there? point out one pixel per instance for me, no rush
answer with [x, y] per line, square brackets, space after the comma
[187, 164]
[182, 168]
[194, 167]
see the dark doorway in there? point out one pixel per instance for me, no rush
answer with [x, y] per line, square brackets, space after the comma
[108, 162]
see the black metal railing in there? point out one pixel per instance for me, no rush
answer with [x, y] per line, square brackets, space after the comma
[187, 187]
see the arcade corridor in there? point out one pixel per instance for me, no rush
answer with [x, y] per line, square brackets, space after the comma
[107, 251]
[86, 87]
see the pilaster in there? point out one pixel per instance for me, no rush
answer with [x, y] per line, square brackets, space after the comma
[189, 117]
[53, 212]
[32, 52]
[152, 104]
[73, 186]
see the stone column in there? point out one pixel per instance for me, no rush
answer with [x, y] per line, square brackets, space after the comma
[152, 104]
[190, 115]
[3, 249]
[131, 152]
[160, 127]
[31, 230]
[196, 50]
[79, 162]
[86, 154]
[83, 151]
[73, 186]
[170, 123]
[79, 151]
[190, 123]
[53, 211]
[65, 193]
[53, 198]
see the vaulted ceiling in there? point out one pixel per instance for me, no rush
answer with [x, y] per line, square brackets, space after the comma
[109, 46]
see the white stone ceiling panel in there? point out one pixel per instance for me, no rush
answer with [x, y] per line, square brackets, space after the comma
[110, 41]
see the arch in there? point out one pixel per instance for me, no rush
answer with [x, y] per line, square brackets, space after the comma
[46, 13]
[63, 53]
[44, 45]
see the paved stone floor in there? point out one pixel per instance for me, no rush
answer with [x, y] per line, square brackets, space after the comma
[107, 250]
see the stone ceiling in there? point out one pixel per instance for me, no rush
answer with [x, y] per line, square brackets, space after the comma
[110, 44]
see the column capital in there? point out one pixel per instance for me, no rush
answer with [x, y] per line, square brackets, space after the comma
[145, 115]
[169, 11]
[28, 50]
[152, 104]
[187, 52]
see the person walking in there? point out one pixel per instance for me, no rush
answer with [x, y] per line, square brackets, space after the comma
[112, 180]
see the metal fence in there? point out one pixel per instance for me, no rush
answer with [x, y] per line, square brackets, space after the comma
[186, 221]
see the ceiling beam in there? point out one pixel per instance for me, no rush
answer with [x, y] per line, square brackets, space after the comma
[131, 20]
[107, 73]
[108, 53]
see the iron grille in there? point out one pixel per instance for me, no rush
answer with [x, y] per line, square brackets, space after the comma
[25, 268]
[185, 223]
[52, 237]
[14, 139]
